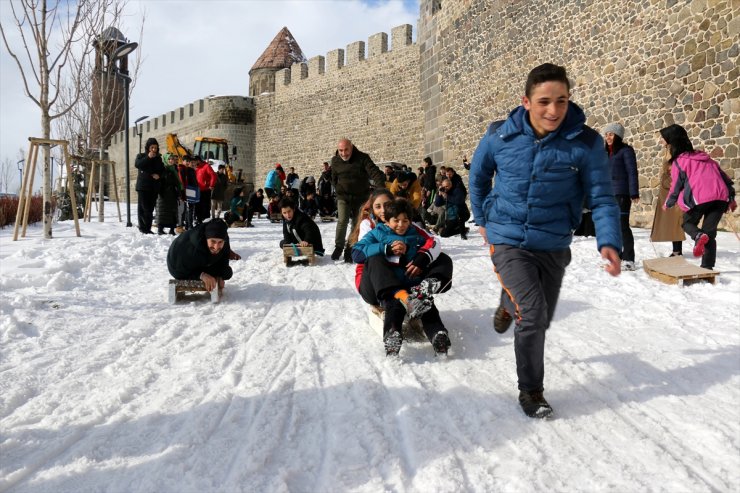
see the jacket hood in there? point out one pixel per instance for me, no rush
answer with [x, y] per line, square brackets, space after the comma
[518, 122]
[149, 142]
[698, 156]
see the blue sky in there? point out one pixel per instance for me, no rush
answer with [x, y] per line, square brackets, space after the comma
[176, 36]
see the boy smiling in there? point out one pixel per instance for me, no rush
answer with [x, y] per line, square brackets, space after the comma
[546, 162]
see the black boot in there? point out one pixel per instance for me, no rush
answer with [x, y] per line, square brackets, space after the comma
[534, 404]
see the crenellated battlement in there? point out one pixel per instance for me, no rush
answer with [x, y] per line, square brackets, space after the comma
[341, 59]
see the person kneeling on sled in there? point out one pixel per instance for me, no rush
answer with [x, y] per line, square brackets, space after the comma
[239, 209]
[202, 253]
[298, 228]
[404, 268]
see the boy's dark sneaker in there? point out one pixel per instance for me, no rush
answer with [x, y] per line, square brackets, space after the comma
[393, 343]
[701, 241]
[336, 253]
[441, 342]
[348, 255]
[501, 320]
[534, 404]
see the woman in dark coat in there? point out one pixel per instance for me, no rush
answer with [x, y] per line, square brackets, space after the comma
[150, 168]
[169, 190]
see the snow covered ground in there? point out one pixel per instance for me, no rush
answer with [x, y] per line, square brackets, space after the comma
[284, 387]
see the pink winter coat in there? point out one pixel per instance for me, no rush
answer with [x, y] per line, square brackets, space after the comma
[697, 179]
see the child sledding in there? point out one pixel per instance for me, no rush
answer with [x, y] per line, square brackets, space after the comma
[401, 269]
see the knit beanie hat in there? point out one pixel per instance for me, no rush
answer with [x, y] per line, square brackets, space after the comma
[151, 141]
[616, 129]
[216, 228]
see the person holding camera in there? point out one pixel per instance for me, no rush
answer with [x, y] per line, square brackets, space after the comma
[451, 197]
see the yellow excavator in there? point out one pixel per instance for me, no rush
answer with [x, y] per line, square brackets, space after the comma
[213, 150]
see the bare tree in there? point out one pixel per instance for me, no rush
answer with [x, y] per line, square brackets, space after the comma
[99, 113]
[52, 42]
[7, 169]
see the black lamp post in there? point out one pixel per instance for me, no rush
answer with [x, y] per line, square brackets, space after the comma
[122, 52]
[138, 131]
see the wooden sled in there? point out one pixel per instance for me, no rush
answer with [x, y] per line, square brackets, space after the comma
[328, 219]
[293, 255]
[178, 289]
[237, 224]
[413, 331]
[276, 218]
[676, 270]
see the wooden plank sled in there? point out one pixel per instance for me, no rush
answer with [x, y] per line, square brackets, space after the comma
[276, 218]
[413, 331]
[298, 255]
[237, 224]
[676, 270]
[178, 288]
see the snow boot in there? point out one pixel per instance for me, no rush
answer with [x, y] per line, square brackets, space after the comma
[417, 304]
[347, 255]
[393, 343]
[441, 342]
[336, 253]
[501, 320]
[701, 241]
[534, 404]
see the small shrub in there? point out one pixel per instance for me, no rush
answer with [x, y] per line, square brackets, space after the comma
[9, 209]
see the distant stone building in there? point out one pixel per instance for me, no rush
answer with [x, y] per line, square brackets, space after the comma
[644, 64]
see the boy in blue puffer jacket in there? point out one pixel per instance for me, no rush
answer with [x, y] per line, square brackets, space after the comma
[546, 162]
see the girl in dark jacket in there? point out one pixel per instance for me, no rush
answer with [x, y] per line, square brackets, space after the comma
[623, 164]
[298, 228]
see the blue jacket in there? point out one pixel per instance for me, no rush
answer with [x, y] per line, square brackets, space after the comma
[623, 165]
[541, 184]
[421, 248]
[273, 180]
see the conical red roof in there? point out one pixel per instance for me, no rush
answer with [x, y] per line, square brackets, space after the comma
[282, 52]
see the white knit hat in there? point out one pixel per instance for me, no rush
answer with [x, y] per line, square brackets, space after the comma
[616, 129]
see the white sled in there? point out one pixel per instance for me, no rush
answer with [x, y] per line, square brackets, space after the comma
[412, 329]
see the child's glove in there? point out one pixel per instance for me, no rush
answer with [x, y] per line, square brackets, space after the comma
[421, 260]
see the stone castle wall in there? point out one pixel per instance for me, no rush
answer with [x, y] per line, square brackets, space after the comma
[368, 93]
[226, 117]
[646, 64]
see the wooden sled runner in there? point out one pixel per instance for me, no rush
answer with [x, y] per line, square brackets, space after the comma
[676, 270]
[293, 255]
[412, 329]
[178, 289]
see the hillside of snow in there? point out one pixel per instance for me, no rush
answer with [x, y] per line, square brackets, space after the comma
[284, 387]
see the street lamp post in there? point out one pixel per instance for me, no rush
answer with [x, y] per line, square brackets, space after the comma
[20, 169]
[121, 52]
[138, 131]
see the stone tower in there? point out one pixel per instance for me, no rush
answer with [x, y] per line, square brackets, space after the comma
[108, 98]
[282, 52]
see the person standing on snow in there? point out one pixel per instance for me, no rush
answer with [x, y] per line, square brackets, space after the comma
[546, 162]
[701, 189]
[150, 168]
[351, 173]
[623, 165]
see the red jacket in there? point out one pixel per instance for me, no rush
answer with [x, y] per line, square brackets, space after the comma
[206, 176]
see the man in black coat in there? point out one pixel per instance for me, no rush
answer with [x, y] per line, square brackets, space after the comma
[151, 169]
[298, 228]
[202, 253]
[351, 173]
